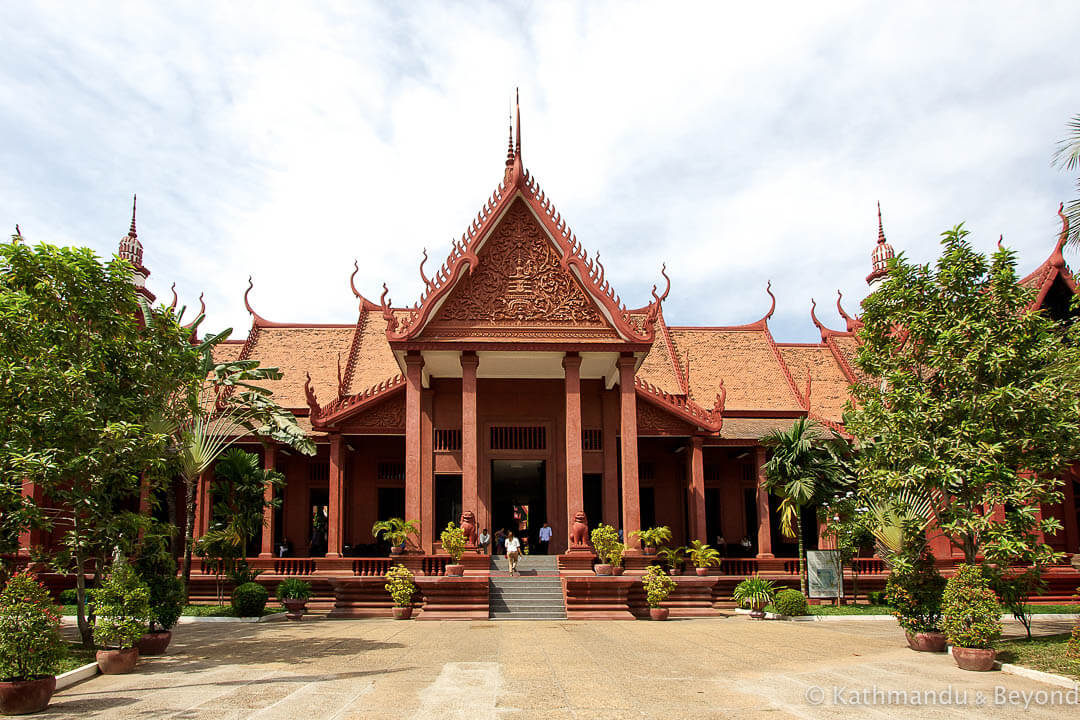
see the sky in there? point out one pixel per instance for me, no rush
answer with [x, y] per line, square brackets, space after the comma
[737, 144]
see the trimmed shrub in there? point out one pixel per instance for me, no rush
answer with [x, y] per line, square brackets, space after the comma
[157, 568]
[970, 611]
[876, 597]
[122, 608]
[30, 642]
[791, 603]
[658, 585]
[69, 597]
[249, 600]
[453, 541]
[293, 589]
[915, 596]
[605, 540]
[400, 585]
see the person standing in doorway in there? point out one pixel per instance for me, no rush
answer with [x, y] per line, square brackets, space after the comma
[482, 542]
[500, 542]
[513, 549]
[545, 538]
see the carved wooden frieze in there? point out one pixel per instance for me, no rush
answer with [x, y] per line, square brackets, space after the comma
[388, 415]
[652, 420]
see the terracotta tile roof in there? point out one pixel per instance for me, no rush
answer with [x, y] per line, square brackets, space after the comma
[225, 352]
[300, 350]
[753, 428]
[374, 360]
[847, 347]
[829, 387]
[659, 367]
[743, 359]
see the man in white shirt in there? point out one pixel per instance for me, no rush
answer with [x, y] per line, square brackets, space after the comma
[513, 548]
[482, 541]
[545, 538]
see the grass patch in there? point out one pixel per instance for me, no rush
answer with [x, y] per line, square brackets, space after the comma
[886, 610]
[75, 657]
[194, 610]
[1040, 653]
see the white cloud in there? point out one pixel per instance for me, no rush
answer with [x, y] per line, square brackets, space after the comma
[738, 144]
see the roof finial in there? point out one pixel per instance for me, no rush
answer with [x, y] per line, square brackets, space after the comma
[510, 142]
[133, 199]
[880, 227]
[517, 106]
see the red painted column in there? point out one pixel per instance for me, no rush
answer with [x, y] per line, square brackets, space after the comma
[631, 493]
[1068, 509]
[428, 531]
[764, 529]
[697, 490]
[414, 364]
[204, 501]
[470, 461]
[337, 485]
[575, 496]
[31, 538]
[266, 549]
[610, 410]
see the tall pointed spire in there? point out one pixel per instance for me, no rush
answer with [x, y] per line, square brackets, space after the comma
[517, 107]
[510, 143]
[132, 232]
[879, 259]
[132, 251]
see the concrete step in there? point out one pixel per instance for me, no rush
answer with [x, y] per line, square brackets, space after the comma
[526, 598]
[527, 616]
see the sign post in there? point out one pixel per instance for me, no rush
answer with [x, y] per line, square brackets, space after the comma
[825, 574]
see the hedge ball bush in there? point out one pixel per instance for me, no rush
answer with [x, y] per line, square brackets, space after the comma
[400, 585]
[791, 603]
[249, 600]
[876, 597]
[30, 642]
[69, 596]
[122, 608]
[658, 585]
[293, 589]
[970, 611]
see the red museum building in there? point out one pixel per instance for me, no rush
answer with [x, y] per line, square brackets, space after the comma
[521, 387]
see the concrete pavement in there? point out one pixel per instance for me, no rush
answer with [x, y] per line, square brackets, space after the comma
[709, 668]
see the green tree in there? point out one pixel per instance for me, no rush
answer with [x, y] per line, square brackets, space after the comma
[806, 467]
[974, 401]
[1067, 156]
[844, 518]
[238, 489]
[83, 371]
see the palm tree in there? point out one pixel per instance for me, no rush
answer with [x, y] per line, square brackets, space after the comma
[1067, 156]
[806, 466]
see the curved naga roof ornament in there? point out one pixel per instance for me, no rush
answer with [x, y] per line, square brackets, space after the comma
[175, 299]
[193, 326]
[312, 400]
[517, 181]
[259, 320]
[826, 333]
[365, 304]
[1057, 258]
[853, 324]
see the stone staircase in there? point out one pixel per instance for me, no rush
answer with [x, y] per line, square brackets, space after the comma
[534, 594]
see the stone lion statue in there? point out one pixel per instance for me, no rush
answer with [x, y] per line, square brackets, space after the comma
[579, 530]
[468, 526]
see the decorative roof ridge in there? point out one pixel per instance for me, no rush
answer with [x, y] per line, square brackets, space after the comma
[837, 427]
[783, 365]
[193, 326]
[826, 332]
[758, 325]
[354, 353]
[350, 404]
[853, 323]
[1054, 266]
[845, 366]
[819, 345]
[690, 411]
[365, 304]
[683, 376]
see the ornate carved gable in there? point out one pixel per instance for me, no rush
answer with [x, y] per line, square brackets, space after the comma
[652, 420]
[386, 416]
[519, 284]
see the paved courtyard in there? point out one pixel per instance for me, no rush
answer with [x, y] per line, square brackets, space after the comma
[708, 668]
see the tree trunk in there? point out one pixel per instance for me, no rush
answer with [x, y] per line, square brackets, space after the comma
[802, 551]
[189, 531]
[85, 632]
[970, 548]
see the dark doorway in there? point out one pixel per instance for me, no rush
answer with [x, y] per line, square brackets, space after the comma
[713, 525]
[647, 498]
[318, 521]
[518, 497]
[750, 516]
[391, 502]
[447, 501]
[593, 490]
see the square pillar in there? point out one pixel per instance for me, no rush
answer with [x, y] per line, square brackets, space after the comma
[32, 537]
[470, 458]
[428, 531]
[204, 503]
[337, 485]
[414, 364]
[266, 549]
[631, 493]
[764, 529]
[610, 431]
[1068, 509]
[698, 526]
[575, 496]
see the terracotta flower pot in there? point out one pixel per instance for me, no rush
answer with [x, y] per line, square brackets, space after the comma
[22, 697]
[658, 613]
[926, 641]
[702, 571]
[395, 549]
[402, 613]
[455, 570]
[603, 569]
[757, 613]
[650, 550]
[617, 569]
[976, 659]
[117, 662]
[154, 643]
[294, 608]
[673, 571]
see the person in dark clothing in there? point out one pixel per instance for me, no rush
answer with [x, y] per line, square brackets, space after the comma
[500, 543]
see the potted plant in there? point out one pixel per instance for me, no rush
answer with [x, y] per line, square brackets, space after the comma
[293, 593]
[673, 558]
[249, 600]
[400, 585]
[396, 532]
[157, 568]
[453, 542]
[914, 594]
[605, 540]
[30, 646]
[615, 558]
[652, 538]
[755, 592]
[971, 618]
[122, 614]
[658, 585]
[703, 556]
